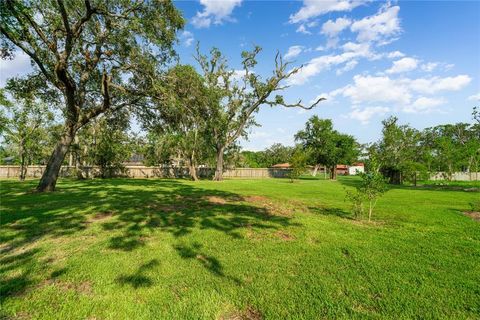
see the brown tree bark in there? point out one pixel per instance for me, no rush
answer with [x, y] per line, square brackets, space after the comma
[49, 178]
[333, 173]
[22, 161]
[219, 169]
[191, 167]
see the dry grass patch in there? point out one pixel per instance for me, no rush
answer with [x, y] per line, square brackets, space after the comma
[216, 200]
[101, 216]
[475, 215]
[284, 236]
[84, 287]
[250, 313]
[271, 207]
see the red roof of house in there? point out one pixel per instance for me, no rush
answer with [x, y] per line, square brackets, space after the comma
[281, 165]
[342, 166]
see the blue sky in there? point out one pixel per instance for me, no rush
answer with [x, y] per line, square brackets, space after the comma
[418, 60]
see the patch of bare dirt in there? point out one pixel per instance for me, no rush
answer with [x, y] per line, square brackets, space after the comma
[170, 207]
[249, 313]
[100, 216]
[270, 207]
[284, 236]
[216, 200]
[84, 287]
[475, 215]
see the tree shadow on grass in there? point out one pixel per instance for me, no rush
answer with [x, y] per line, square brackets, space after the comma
[139, 279]
[138, 208]
[331, 212]
[212, 264]
[355, 181]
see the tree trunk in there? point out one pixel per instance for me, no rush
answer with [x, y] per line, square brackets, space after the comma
[192, 169]
[315, 169]
[22, 162]
[219, 170]
[333, 173]
[50, 175]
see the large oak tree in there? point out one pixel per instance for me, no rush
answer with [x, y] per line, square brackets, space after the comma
[235, 96]
[95, 55]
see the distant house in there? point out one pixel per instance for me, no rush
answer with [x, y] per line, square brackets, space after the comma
[342, 169]
[356, 168]
[281, 166]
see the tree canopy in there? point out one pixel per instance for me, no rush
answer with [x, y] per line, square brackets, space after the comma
[89, 57]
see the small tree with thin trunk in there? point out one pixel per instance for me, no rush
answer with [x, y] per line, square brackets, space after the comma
[95, 56]
[235, 96]
[370, 189]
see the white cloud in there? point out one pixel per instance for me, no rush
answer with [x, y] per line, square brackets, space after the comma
[430, 66]
[315, 8]
[402, 93]
[395, 54]
[333, 28]
[353, 51]
[424, 105]
[376, 89]
[348, 66]
[403, 65]
[436, 84]
[302, 29]
[475, 97]
[293, 52]
[380, 27]
[215, 12]
[364, 115]
[187, 38]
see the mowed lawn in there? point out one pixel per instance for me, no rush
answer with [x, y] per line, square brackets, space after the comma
[238, 249]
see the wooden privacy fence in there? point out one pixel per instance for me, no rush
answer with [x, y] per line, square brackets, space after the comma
[182, 172]
[150, 172]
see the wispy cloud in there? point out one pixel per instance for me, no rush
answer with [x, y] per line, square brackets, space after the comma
[187, 38]
[215, 12]
[403, 65]
[314, 8]
[293, 52]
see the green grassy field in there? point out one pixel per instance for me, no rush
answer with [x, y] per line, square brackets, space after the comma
[239, 249]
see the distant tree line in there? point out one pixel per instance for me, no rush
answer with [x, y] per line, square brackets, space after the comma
[405, 154]
[98, 65]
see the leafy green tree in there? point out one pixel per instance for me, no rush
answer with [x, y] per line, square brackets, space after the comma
[327, 146]
[298, 164]
[399, 152]
[454, 147]
[252, 159]
[91, 57]
[370, 189]
[24, 128]
[111, 149]
[236, 96]
[278, 153]
[181, 115]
